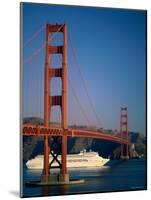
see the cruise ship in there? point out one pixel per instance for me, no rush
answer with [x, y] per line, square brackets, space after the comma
[82, 160]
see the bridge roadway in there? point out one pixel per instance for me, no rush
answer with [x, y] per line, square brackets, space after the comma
[40, 130]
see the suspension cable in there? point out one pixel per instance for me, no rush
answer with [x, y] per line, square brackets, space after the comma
[36, 96]
[33, 54]
[83, 81]
[38, 50]
[33, 36]
[40, 99]
[81, 108]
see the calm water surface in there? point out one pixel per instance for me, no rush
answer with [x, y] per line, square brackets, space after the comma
[115, 176]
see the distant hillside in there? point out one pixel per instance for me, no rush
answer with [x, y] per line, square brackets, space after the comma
[33, 120]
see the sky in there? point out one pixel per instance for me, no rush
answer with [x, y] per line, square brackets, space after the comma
[110, 47]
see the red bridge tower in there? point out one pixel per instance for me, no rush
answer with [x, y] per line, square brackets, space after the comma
[50, 101]
[124, 132]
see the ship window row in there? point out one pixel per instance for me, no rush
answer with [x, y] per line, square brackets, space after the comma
[78, 160]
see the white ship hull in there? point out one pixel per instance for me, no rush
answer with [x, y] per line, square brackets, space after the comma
[81, 160]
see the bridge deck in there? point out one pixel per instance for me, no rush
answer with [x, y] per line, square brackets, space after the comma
[40, 130]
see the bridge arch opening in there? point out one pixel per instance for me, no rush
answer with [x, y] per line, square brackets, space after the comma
[56, 61]
[56, 39]
[55, 116]
[55, 86]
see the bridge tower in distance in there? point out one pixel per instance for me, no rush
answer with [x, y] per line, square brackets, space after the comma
[49, 101]
[124, 132]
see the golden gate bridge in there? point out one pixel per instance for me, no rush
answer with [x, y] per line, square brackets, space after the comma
[57, 137]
